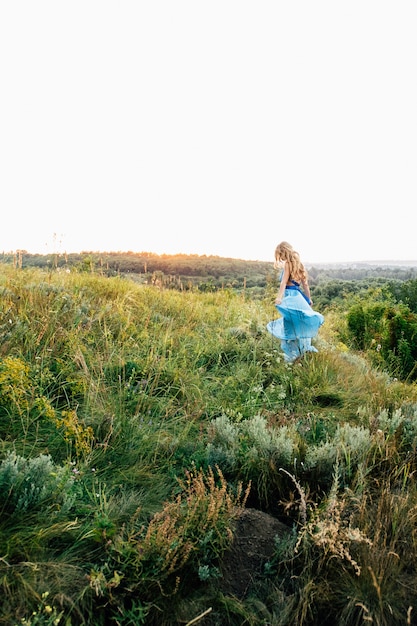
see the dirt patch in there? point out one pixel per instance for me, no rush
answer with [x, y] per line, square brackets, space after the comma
[253, 545]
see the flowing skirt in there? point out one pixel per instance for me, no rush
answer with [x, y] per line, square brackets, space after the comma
[297, 325]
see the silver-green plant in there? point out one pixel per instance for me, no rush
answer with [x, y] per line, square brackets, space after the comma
[252, 450]
[33, 485]
[388, 422]
[348, 448]
[249, 442]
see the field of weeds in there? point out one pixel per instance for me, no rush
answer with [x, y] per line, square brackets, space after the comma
[138, 424]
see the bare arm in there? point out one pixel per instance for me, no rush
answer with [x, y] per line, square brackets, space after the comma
[284, 280]
[306, 290]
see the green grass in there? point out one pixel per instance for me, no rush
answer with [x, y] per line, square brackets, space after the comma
[133, 419]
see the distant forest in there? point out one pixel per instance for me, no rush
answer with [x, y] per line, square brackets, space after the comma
[210, 273]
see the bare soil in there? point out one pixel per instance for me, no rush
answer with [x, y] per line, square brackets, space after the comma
[253, 545]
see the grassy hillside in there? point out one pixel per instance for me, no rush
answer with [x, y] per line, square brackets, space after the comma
[137, 424]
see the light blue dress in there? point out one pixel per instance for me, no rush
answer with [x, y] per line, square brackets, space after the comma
[297, 325]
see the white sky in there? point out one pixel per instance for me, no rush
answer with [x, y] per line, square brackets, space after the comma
[217, 127]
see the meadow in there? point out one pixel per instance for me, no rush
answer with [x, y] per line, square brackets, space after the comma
[138, 425]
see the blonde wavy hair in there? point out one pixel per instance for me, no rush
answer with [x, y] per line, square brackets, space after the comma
[285, 252]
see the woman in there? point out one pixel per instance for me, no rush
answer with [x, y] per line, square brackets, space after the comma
[299, 323]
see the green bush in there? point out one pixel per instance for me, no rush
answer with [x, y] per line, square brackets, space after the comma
[388, 333]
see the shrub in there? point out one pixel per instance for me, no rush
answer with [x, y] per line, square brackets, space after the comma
[181, 542]
[349, 447]
[388, 332]
[250, 450]
[35, 485]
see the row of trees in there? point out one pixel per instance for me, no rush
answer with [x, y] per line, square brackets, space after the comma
[211, 273]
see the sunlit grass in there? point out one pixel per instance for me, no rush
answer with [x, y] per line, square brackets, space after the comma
[113, 392]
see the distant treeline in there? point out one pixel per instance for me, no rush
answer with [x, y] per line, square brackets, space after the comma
[209, 273]
[179, 270]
